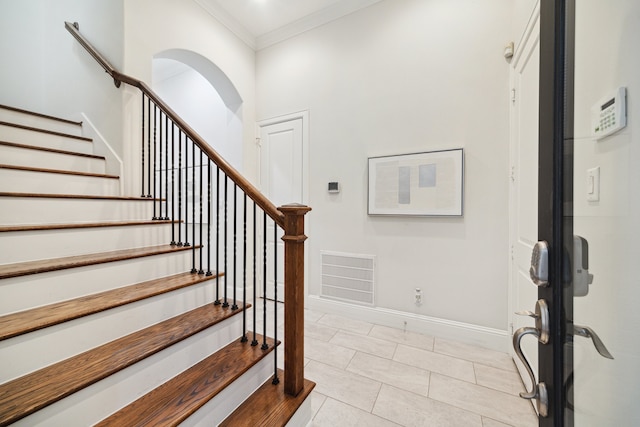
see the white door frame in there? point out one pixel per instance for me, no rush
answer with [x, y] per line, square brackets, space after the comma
[525, 48]
[304, 116]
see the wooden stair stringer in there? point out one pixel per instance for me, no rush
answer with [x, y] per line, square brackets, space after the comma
[28, 394]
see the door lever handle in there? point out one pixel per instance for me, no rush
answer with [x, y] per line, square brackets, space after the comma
[541, 332]
[526, 313]
[538, 390]
[587, 332]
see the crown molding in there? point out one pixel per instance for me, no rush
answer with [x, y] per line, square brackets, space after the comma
[222, 16]
[314, 20]
[335, 11]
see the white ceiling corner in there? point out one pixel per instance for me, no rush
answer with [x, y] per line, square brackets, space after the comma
[262, 23]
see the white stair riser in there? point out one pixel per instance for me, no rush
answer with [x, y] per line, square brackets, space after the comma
[41, 139]
[83, 334]
[39, 122]
[55, 183]
[44, 210]
[21, 293]
[221, 406]
[23, 246]
[96, 402]
[18, 156]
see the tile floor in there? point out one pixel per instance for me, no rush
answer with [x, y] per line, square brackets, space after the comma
[371, 375]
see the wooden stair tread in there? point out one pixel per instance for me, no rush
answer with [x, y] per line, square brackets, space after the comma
[43, 266]
[75, 196]
[49, 132]
[22, 322]
[32, 392]
[180, 397]
[59, 171]
[51, 150]
[45, 116]
[268, 406]
[39, 227]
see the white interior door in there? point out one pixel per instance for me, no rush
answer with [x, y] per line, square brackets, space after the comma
[281, 179]
[524, 184]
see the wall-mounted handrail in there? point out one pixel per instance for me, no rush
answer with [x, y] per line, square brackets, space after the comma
[229, 170]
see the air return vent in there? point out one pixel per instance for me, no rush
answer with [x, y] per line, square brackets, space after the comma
[348, 277]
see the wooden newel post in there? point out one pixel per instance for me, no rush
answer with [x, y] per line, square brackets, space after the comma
[294, 296]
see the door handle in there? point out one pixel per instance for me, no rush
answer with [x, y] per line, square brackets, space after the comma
[541, 332]
[587, 332]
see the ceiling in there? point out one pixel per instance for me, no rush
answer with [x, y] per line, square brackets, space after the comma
[261, 23]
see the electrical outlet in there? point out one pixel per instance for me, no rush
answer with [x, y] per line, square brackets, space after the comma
[418, 296]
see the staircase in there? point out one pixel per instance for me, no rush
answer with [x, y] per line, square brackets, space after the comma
[101, 319]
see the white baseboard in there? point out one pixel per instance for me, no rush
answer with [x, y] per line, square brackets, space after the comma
[494, 339]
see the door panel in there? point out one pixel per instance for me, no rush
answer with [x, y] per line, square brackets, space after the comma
[281, 179]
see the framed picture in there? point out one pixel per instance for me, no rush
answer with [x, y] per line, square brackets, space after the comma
[420, 184]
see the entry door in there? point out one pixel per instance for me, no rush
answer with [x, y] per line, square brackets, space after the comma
[585, 260]
[604, 331]
[592, 360]
[281, 179]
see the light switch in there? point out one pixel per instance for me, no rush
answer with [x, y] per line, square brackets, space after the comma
[593, 184]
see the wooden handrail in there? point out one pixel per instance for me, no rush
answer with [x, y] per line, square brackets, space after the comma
[251, 191]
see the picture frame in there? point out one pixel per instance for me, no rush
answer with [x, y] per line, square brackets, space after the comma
[429, 183]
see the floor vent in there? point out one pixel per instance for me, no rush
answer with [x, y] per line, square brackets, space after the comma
[348, 277]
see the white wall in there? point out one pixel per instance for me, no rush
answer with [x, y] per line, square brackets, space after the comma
[155, 26]
[46, 70]
[606, 391]
[401, 77]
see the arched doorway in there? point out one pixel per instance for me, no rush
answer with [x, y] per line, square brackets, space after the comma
[196, 89]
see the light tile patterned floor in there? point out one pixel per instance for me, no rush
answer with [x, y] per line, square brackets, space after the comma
[371, 375]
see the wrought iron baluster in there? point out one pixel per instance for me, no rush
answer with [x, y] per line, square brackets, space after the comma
[217, 301]
[142, 149]
[186, 192]
[149, 147]
[244, 273]
[180, 243]
[275, 380]
[235, 246]
[209, 273]
[264, 283]
[254, 342]
[226, 186]
[155, 149]
[193, 207]
[201, 270]
[166, 170]
[159, 171]
[173, 184]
